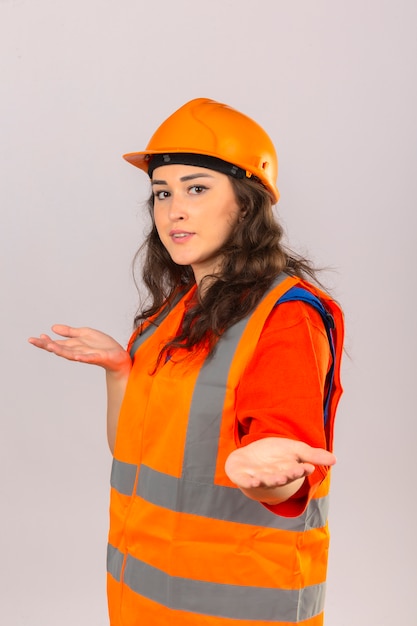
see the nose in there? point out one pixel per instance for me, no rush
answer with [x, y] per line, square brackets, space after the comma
[177, 209]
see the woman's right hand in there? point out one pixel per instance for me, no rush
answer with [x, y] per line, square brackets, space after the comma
[86, 345]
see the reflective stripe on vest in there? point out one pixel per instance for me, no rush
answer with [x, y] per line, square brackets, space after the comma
[228, 601]
[212, 501]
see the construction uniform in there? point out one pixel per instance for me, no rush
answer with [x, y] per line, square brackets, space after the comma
[186, 546]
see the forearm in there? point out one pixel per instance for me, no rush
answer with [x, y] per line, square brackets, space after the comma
[116, 382]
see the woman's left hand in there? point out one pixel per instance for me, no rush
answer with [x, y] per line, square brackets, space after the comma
[274, 468]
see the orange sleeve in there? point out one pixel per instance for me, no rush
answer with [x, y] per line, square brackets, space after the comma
[281, 393]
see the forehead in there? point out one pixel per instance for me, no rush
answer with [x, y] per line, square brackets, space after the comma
[179, 172]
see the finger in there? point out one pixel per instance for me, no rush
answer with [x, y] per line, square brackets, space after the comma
[70, 343]
[79, 354]
[67, 331]
[273, 476]
[41, 341]
[318, 456]
[287, 475]
[246, 480]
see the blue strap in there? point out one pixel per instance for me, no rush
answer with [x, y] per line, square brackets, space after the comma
[299, 293]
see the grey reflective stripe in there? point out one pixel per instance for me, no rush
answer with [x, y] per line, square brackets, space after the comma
[206, 409]
[114, 562]
[212, 501]
[123, 476]
[149, 330]
[222, 503]
[220, 600]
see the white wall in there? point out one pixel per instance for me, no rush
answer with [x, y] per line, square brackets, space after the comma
[334, 83]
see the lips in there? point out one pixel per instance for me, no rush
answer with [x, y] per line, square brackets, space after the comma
[180, 235]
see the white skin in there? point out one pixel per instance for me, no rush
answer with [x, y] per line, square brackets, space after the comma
[195, 211]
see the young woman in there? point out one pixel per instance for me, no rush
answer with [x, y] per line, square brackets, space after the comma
[221, 410]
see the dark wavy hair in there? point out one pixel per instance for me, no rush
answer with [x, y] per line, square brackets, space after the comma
[252, 258]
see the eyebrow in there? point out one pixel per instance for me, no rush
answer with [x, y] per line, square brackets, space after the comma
[183, 179]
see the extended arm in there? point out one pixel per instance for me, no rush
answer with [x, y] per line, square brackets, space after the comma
[87, 345]
[281, 438]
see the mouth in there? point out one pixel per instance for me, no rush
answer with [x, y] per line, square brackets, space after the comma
[180, 235]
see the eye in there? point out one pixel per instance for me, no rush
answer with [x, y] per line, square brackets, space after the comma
[161, 195]
[197, 189]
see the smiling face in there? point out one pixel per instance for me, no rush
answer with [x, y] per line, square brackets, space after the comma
[195, 211]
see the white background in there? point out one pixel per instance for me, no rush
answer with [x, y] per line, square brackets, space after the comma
[334, 84]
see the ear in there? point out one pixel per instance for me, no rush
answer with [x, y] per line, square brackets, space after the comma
[243, 213]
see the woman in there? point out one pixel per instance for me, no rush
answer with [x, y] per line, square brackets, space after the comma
[221, 411]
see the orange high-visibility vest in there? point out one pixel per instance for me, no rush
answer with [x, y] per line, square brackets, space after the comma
[186, 547]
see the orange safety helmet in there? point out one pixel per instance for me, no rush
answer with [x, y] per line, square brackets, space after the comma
[209, 128]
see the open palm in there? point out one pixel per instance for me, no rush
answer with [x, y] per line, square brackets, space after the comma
[85, 345]
[274, 462]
